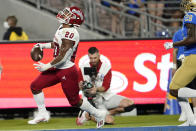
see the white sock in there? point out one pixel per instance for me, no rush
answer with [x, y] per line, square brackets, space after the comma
[182, 107]
[86, 106]
[194, 110]
[39, 99]
[188, 111]
[186, 92]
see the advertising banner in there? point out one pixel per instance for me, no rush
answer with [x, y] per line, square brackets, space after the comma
[140, 71]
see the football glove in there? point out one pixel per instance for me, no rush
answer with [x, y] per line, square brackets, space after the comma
[38, 45]
[43, 45]
[42, 67]
[168, 45]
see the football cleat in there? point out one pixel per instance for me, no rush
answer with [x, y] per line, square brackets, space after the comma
[40, 117]
[185, 124]
[81, 119]
[101, 118]
[193, 123]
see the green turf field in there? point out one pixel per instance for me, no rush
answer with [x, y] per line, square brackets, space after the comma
[69, 123]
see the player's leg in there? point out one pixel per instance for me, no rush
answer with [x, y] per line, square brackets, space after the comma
[194, 106]
[193, 85]
[184, 75]
[45, 79]
[71, 90]
[98, 100]
[119, 104]
[181, 78]
[177, 83]
[182, 115]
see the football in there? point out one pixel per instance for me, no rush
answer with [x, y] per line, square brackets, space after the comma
[36, 54]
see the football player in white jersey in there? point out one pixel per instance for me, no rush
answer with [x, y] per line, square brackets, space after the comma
[62, 68]
[104, 98]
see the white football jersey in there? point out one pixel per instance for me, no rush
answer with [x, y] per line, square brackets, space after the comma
[70, 34]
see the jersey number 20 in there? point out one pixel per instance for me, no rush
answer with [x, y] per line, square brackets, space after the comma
[69, 35]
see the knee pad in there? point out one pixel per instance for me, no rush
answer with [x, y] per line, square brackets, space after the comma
[35, 88]
[129, 108]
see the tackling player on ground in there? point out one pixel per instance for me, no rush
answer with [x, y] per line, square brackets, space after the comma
[187, 72]
[62, 68]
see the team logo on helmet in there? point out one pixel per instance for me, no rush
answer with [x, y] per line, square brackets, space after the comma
[78, 13]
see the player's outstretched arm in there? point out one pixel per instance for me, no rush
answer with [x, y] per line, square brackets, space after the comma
[65, 52]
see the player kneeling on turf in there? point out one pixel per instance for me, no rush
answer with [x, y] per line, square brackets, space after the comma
[94, 81]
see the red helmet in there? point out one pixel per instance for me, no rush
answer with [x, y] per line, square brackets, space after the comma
[71, 16]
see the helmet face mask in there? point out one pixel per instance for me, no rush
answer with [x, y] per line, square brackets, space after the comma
[64, 16]
[188, 5]
[71, 16]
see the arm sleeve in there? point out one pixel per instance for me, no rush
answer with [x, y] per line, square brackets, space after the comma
[107, 80]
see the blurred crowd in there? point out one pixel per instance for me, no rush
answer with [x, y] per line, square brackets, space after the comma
[144, 15]
[128, 18]
[156, 9]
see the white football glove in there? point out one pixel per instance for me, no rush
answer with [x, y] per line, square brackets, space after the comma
[43, 46]
[42, 67]
[168, 45]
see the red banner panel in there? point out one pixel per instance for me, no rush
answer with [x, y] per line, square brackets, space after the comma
[140, 71]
